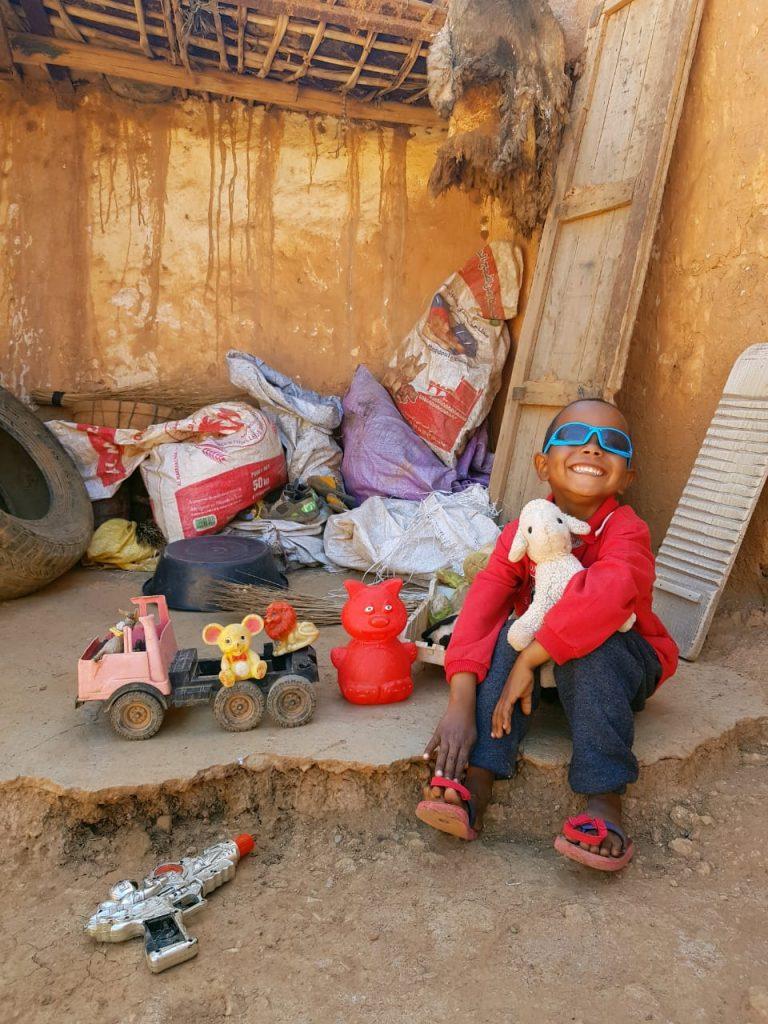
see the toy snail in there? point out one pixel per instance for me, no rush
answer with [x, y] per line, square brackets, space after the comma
[287, 633]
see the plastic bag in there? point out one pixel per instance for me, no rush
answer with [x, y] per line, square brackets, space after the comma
[383, 455]
[304, 419]
[446, 373]
[114, 545]
[411, 538]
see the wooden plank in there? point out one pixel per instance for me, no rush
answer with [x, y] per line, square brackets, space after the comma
[358, 17]
[351, 82]
[434, 17]
[594, 199]
[405, 69]
[7, 67]
[553, 393]
[170, 31]
[652, 179]
[181, 35]
[35, 50]
[596, 240]
[223, 59]
[251, 60]
[242, 18]
[280, 30]
[141, 22]
[259, 21]
[37, 19]
[68, 25]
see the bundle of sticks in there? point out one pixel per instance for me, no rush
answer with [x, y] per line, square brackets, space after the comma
[323, 610]
[184, 397]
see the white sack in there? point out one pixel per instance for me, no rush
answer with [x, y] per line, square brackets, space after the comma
[305, 419]
[299, 544]
[411, 538]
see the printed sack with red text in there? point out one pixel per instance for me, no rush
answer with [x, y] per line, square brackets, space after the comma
[199, 472]
[447, 372]
[197, 486]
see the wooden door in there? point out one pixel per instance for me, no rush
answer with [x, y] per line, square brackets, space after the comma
[598, 233]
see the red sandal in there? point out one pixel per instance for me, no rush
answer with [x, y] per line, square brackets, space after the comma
[451, 818]
[586, 829]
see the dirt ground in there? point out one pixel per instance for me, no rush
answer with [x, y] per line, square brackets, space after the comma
[347, 922]
[365, 915]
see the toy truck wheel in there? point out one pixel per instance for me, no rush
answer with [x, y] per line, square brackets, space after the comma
[292, 701]
[136, 715]
[240, 707]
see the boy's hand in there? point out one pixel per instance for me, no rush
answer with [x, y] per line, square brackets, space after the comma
[456, 732]
[518, 687]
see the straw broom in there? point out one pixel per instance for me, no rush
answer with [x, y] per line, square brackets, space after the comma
[323, 610]
[182, 397]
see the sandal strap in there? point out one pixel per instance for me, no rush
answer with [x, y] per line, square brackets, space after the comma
[440, 783]
[585, 828]
[617, 832]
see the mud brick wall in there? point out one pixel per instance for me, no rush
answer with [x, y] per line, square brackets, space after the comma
[140, 242]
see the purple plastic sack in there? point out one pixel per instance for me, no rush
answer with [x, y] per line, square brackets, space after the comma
[384, 456]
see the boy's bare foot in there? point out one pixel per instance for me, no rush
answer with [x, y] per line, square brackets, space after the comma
[479, 781]
[608, 807]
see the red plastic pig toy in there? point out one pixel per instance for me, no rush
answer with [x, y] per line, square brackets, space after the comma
[374, 667]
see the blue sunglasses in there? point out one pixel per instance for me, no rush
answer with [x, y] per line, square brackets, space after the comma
[575, 434]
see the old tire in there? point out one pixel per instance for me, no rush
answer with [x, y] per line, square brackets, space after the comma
[240, 707]
[46, 520]
[291, 701]
[136, 715]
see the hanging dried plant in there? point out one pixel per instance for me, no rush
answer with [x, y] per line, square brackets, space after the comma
[497, 69]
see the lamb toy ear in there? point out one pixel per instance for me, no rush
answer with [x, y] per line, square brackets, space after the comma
[577, 526]
[518, 547]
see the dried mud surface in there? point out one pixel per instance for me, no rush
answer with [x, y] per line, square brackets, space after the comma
[350, 910]
[371, 917]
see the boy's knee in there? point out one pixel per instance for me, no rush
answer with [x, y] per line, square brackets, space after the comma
[607, 659]
[597, 677]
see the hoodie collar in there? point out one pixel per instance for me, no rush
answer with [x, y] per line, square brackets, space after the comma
[598, 520]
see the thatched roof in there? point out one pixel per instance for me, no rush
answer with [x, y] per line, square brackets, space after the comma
[359, 58]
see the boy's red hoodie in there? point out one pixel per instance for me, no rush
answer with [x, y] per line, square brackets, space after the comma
[619, 580]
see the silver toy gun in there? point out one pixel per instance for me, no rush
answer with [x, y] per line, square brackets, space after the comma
[157, 907]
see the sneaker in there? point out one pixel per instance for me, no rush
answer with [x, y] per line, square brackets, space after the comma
[298, 504]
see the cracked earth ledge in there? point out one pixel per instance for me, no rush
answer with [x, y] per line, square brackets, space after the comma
[273, 789]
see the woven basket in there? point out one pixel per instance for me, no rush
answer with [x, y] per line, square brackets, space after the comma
[105, 412]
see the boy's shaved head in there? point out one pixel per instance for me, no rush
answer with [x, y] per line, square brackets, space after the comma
[583, 476]
[572, 412]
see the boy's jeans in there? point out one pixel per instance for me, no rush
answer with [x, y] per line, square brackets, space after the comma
[599, 694]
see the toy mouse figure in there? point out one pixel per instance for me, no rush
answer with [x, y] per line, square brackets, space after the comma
[374, 667]
[283, 628]
[238, 661]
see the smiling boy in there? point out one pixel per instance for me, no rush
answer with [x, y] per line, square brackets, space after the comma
[603, 676]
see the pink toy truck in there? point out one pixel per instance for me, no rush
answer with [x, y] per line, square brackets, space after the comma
[151, 674]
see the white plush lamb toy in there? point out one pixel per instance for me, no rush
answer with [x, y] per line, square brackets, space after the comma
[544, 533]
